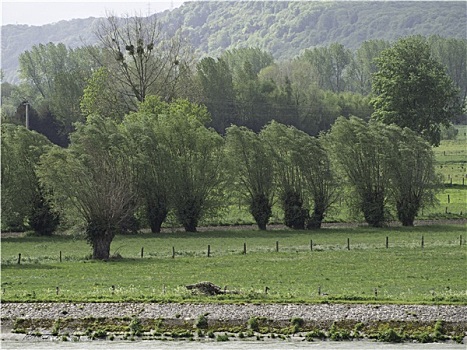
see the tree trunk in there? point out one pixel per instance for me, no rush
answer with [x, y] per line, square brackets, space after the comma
[407, 211]
[373, 209]
[316, 219]
[261, 210]
[101, 246]
[294, 215]
[156, 214]
[190, 225]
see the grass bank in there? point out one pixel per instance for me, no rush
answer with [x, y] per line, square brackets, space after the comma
[424, 264]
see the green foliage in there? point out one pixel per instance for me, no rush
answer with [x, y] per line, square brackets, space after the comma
[135, 326]
[222, 337]
[385, 164]
[100, 97]
[413, 90]
[93, 179]
[195, 156]
[43, 219]
[57, 76]
[297, 324]
[201, 322]
[22, 194]
[250, 165]
[411, 169]
[362, 164]
[390, 336]
[253, 324]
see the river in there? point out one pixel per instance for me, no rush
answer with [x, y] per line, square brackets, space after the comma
[230, 345]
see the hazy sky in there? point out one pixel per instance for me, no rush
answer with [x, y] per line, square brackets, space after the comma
[44, 12]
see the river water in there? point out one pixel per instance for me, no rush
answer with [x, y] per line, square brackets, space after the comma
[230, 345]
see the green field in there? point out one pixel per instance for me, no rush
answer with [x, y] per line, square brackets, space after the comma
[402, 273]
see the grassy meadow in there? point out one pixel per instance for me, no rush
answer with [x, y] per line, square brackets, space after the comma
[297, 272]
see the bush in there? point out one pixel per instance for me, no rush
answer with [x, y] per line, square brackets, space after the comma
[202, 322]
[135, 326]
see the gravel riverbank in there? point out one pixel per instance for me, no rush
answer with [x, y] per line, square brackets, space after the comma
[233, 312]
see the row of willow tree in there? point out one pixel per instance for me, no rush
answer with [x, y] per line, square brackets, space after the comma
[164, 159]
[133, 149]
[244, 86]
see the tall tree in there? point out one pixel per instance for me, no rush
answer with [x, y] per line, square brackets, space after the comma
[57, 76]
[359, 150]
[410, 165]
[142, 59]
[218, 93]
[195, 157]
[94, 179]
[249, 162]
[362, 66]
[23, 197]
[411, 89]
[151, 160]
[100, 97]
[284, 143]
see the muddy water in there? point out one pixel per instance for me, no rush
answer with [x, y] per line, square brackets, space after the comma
[230, 345]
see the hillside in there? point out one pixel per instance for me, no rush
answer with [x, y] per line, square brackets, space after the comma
[280, 27]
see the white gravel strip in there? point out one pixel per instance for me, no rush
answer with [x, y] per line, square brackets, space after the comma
[278, 312]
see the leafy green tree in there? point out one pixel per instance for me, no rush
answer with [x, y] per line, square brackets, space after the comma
[195, 157]
[151, 159]
[250, 164]
[56, 76]
[362, 66]
[359, 149]
[93, 179]
[256, 58]
[411, 89]
[451, 53]
[23, 199]
[320, 181]
[284, 143]
[410, 165]
[100, 97]
[218, 93]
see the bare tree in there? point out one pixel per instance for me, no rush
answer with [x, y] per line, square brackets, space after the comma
[142, 59]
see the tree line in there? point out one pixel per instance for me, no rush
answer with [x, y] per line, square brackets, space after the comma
[135, 150]
[244, 86]
[163, 158]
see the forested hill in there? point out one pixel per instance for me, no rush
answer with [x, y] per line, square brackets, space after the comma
[280, 27]
[287, 28]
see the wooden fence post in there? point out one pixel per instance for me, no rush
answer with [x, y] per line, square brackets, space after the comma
[423, 242]
[142, 252]
[60, 256]
[348, 243]
[173, 252]
[387, 242]
[209, 250]
[244, 248]
[277, 246]
[311, 245]
[19, 258]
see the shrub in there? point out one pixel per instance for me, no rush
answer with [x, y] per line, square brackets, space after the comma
[297, 323]
[202, 322]
[135, 326]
